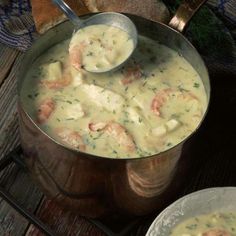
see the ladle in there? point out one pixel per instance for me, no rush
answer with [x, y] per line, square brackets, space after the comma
[107, 18]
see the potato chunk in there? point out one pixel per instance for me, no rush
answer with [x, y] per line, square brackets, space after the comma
[103, 97]
[54, 71]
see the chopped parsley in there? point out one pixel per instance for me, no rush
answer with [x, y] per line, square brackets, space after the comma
[196, 85]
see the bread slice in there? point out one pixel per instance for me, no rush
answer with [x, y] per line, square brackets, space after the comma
[46, 14]
[151, 9]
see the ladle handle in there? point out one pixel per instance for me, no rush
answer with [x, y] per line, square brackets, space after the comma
[68, 12]
[184, 13]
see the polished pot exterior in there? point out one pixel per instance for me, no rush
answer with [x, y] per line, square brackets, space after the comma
[97, 186]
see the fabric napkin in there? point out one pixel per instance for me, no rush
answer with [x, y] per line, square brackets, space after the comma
[17, 28]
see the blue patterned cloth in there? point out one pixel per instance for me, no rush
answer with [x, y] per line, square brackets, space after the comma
[17, 28]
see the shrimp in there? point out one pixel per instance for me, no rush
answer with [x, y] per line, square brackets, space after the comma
[72, 138]
[131, 74]
[216, 232]
[97, 126]
[166, 94]
[57, 84]
[45, 109]
[157, 102]
[76, 55]
[117, 132]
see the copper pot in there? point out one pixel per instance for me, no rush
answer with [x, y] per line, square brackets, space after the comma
[95, 186]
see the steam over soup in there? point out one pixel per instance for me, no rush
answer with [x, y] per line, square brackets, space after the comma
[149, 105]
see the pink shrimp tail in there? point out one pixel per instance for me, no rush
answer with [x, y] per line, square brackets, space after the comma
[117, 132]
[97, 126]
[216, 232]
[45, 110]
[72, 138]
[131, 74]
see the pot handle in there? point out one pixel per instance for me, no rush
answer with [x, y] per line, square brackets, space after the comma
[184, 14]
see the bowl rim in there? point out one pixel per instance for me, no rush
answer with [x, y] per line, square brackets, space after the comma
[165, 212]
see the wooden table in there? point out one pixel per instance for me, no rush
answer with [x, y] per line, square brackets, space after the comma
[211, 157]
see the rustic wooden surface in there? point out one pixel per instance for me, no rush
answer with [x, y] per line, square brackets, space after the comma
[213, 157]
[15, 180]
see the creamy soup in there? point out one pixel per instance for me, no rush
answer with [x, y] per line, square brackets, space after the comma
[149, 105]
[214, 224]
[100, 47]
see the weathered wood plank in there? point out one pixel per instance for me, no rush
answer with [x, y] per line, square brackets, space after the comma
[9, 137]
[63, 222]
[13, 179]
[21, 188]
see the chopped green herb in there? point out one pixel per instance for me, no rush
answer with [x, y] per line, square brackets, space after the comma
[175, 116]
[68, 101]
[90, 54]
[140, 120]
[97, 137]
[70, 118]
[191, 227]
[208, 225]
[181, 89]
[153, 89]
[153, 59]
[144, 83]
[30, 96]
[196, 85]
[125, 121]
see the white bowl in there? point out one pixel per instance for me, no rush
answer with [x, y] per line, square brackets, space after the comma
[197, 203]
